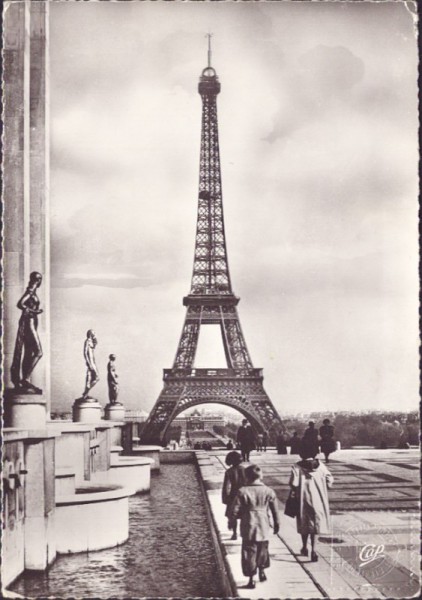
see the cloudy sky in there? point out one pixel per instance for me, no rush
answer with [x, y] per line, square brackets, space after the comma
[318, 139]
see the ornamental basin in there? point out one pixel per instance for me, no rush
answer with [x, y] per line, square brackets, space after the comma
[148, 451]
[95, 517]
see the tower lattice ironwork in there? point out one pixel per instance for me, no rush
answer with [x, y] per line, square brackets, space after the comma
[211, 301]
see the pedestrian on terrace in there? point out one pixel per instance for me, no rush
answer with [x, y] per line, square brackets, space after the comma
[310, 439]
[251, 504]
[234, 478]
[328, 444]
[295, 444]
[309, 480]
[245, 439]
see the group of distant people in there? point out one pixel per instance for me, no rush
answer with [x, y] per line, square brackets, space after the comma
[313, 440]
[202, 446]
[252, 502]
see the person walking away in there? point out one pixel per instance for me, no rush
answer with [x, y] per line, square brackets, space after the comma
[251, 504]
[310, 439]
[328, 444]
[249, 442]
[295, 444]
[281, 443]
[259, 442]
[234, 478]
[264, 440]
[309, 479]
[240, 438]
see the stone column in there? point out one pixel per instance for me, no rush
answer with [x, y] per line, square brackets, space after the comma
[39, 174]
[16, 170]
[26, 175]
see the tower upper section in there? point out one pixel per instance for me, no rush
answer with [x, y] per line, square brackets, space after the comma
[208, 82]
[210, 275]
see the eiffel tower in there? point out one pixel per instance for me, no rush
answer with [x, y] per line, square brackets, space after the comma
[211, 301]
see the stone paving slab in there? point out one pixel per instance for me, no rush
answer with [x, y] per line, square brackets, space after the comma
[339, 573]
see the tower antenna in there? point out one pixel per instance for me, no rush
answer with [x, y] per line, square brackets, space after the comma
[209, 36]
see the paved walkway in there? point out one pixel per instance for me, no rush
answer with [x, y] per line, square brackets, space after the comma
[374, 505]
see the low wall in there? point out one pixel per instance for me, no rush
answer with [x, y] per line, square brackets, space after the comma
[177, 456]
[153, 452]
[229, 585]
[129, 471]
[28, 537]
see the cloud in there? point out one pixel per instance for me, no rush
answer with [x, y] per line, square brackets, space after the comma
[319, 150]
[323, 78]
[114, 280]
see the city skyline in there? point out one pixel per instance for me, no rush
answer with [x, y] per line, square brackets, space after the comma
[318, 137]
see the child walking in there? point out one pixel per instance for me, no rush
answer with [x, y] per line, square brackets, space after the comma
[251, 504]
[234, 478]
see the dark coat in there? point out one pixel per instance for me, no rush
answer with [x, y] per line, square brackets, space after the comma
[234, 478]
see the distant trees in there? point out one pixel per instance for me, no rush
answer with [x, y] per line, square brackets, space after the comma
[367, 429]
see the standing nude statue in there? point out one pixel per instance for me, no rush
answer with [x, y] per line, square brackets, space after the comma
[92, 376]
[28, 349]
[112, 380]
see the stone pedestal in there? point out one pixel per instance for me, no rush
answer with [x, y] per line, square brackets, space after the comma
[86, 410]
[114, 412]
[24, 411]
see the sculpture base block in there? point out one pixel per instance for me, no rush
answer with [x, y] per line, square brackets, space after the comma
[86, 410]
[114, 412]
[24, 411]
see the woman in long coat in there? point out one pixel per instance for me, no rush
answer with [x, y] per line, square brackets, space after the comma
[309, 479]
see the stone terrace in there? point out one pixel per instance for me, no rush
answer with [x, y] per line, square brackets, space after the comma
[375, 500]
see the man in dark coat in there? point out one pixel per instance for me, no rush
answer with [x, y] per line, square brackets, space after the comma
[310, 442]
[241, 438]
[281, 443]
[295, 444]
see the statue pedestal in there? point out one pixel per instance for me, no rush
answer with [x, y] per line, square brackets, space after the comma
[114, 412]
[24, 410]
[86, 410]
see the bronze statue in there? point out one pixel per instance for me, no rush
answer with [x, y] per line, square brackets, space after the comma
[92, 376]
[28, 349]
[112, 380]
